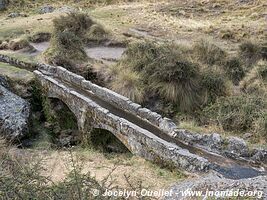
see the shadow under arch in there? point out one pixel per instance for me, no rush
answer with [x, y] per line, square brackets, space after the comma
[64, 122]
[106, 141]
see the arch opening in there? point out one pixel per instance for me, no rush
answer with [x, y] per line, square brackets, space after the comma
[63, 122]
[105, 141]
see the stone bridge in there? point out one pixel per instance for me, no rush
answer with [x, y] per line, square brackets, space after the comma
[143, 132]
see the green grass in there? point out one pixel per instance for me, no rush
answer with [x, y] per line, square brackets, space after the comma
[15, 74]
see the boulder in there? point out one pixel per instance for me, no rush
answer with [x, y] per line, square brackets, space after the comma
[13, 15]
[237, 146]
[260, 156]
[215, 185]
[46, 9]
[14, 115]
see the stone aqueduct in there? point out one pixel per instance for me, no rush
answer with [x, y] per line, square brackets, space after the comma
[134, 126]
[143, 132]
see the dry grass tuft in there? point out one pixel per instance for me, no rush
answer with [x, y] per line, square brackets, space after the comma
[208, 53]
[129, 84]
[249, 53]
[255, 81]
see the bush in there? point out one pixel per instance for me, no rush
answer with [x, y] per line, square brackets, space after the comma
[140, 54]
[177, 82]
[66, 49]
[255, 81]
[23, 180]
[213, 82]
[234, 70]
[75, 22]
[239, 113]
[208, 53]
[129, 84]
[249, 53]
[96, 33]
[166, 72]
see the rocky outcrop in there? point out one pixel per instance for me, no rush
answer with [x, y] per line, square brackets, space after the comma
[14, 115]
[212, 185]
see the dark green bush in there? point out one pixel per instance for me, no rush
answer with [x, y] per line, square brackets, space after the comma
[250, 53]
[214, 83]
[234, 70]
[239, 113]
[67, 43]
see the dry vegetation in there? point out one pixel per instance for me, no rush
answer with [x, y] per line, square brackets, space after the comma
[74, 174]
[204, 84]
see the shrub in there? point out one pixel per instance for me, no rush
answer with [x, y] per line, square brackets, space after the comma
[255, 81]
[208, 53]
[129, 84]
[214, 83]
[165, 71]
[38, 37]
[234, 70]
[239, 113]
[96, 33]
[75, 22]
[23, 179]
[65, 50]
[140, 54]
[249, 53]
[176, 81]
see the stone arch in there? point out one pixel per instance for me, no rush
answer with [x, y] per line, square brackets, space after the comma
[106, 141]
[63, 112]
[78, 110]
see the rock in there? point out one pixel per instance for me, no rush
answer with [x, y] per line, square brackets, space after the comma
[214, 183]
[66, 9]
[214, 141]
[46, 9]
[247, 135]
[13, 15]
[4, 45]
[260, 156]
[167, 125]
[4, 82]
[68, 138]
[3, 4]
[237, 146]
[14, 115]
